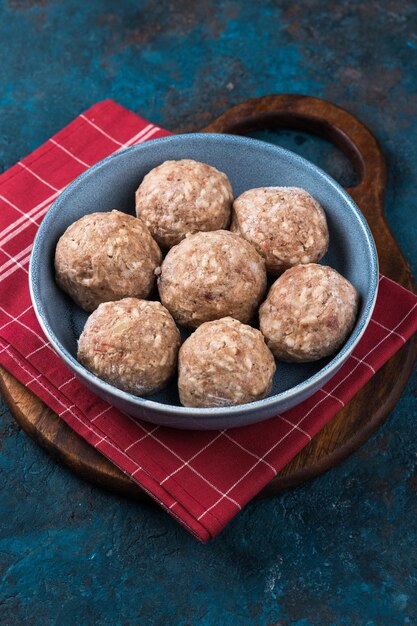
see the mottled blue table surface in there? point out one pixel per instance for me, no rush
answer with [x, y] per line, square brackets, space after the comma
[339, 550]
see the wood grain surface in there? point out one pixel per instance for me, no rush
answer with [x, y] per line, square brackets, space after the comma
[353, 425]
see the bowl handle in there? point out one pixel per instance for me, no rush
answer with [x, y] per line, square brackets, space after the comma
[333, 123]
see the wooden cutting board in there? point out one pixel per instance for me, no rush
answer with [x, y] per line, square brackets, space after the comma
[352, 425]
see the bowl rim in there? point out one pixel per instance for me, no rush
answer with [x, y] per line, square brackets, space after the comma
[303, 387]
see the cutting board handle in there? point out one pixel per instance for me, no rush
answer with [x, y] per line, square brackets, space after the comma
[322, 118]
[342, 128]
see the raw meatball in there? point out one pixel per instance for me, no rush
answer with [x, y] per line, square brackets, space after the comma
[212, 275]
[308, 314]
[106, 256]
[224, 363]
[131, 344]
[285, 224]
[181, 197]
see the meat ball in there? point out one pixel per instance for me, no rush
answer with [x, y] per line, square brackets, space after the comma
[131, 344]
[212, 275]
[106, 256]
[308, 314]
[224, 363]
[286, 225]
[181, 197]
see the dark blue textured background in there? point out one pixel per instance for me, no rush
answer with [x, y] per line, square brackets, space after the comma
[340, 550]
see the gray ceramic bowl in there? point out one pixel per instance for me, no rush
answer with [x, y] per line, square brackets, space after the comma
[248, 163]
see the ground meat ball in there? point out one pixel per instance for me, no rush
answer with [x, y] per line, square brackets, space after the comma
[181, 197]
[308, 314]
[131, 344]
[285, 224]
[224, 363]
[106, 256]
[212, 275]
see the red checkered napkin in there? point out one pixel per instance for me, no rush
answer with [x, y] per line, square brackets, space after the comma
[201, 478]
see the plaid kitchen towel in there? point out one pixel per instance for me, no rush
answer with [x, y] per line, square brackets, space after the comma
[201, 478]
